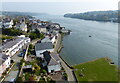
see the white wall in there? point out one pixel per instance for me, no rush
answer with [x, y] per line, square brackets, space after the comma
[54, 67]
[41, 51]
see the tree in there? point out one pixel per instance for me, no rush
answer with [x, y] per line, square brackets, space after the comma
[33, 35]
[11, 32]
[31, 46]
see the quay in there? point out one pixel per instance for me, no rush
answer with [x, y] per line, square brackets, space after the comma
[65, 65]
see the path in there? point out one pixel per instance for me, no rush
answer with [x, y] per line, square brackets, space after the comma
[67, 69]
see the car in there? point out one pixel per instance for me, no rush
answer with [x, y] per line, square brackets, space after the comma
[24, 50]
[21, 54]
[12, 80]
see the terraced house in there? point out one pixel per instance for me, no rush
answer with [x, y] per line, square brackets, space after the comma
[4, 63]
[11, 47]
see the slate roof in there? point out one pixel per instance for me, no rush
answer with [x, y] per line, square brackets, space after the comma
[12, 43]
[3, 58]
[46, 39]
[49, 59]
[43, 46]
[52, 62]
[55, 56]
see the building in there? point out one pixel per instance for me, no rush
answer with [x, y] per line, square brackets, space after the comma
[42, 29]
[55, 26]
[4, 63]
[46, 39]
[7, 23]
[52, 62]
[12, 46]
[40, 48]
[23, 27]
[53, 39]
[49, 39]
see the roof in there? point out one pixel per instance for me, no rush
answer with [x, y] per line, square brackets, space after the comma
[12, 42]
[43, 46]
[27, 66]
[55, 56]
[49, 59]
[3, 57]
[46, 39]
[52, 62]
[47, 56]
[41, 26]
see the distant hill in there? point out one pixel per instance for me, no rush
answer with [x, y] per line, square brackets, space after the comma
[96, 16]
[10, 13]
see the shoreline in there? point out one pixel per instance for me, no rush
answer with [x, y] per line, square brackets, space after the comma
[59, 50]
[68, 69]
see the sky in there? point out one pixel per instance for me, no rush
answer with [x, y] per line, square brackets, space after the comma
[58, 7]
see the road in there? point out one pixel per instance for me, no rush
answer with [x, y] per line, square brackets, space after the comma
[67, 69]
[15, 70]
[58, 42]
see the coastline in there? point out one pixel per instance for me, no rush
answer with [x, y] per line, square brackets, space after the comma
[59, 50]
[65, 65]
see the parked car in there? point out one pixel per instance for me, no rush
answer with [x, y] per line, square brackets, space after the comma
[12, 80]
[24, 50]
[21, 54]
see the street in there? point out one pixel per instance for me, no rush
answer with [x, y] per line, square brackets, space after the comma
[67, 69]
[15, 70]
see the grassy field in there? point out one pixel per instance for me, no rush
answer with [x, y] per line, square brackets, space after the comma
[98, 70]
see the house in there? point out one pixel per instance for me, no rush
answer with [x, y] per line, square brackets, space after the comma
[52, 62]
[33, 27]
[42, 29]
[4, 63]
[40, 48]
[46, 39]
[17, 26]
[49, 39]
[7, 23]
[53, 39]
[55, 26]
[14, 45]
[23, 27]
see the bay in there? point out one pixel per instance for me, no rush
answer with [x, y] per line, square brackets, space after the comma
[79, 47]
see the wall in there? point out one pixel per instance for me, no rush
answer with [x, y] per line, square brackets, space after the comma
[54, 67]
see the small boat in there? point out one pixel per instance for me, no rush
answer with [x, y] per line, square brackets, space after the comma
[90, 36]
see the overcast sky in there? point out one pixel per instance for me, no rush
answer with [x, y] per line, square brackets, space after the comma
[59, 6]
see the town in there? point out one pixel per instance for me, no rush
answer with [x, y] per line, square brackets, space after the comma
[29, 50]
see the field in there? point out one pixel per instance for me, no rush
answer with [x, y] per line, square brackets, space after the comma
[98, 70]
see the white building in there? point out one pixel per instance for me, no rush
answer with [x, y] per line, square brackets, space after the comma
[53, 39]
[8, 24]
[40, 48]
[11, 47]
[49, 39]
[23, 27]
[46, 39]
[42, 29]
[52, 62]
[4, 63]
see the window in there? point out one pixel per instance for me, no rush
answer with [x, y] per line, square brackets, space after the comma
[41, 53]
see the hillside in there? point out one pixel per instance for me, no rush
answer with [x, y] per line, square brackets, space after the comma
[105, 16]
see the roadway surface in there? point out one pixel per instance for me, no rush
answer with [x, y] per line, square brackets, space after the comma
[67, 69]
[15, 69]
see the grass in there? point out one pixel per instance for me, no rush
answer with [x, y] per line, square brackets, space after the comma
[98, 70]
[6, 37]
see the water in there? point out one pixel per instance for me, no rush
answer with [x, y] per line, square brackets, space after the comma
[79, 47]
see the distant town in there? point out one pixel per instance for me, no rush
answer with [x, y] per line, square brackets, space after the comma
[30, 48]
